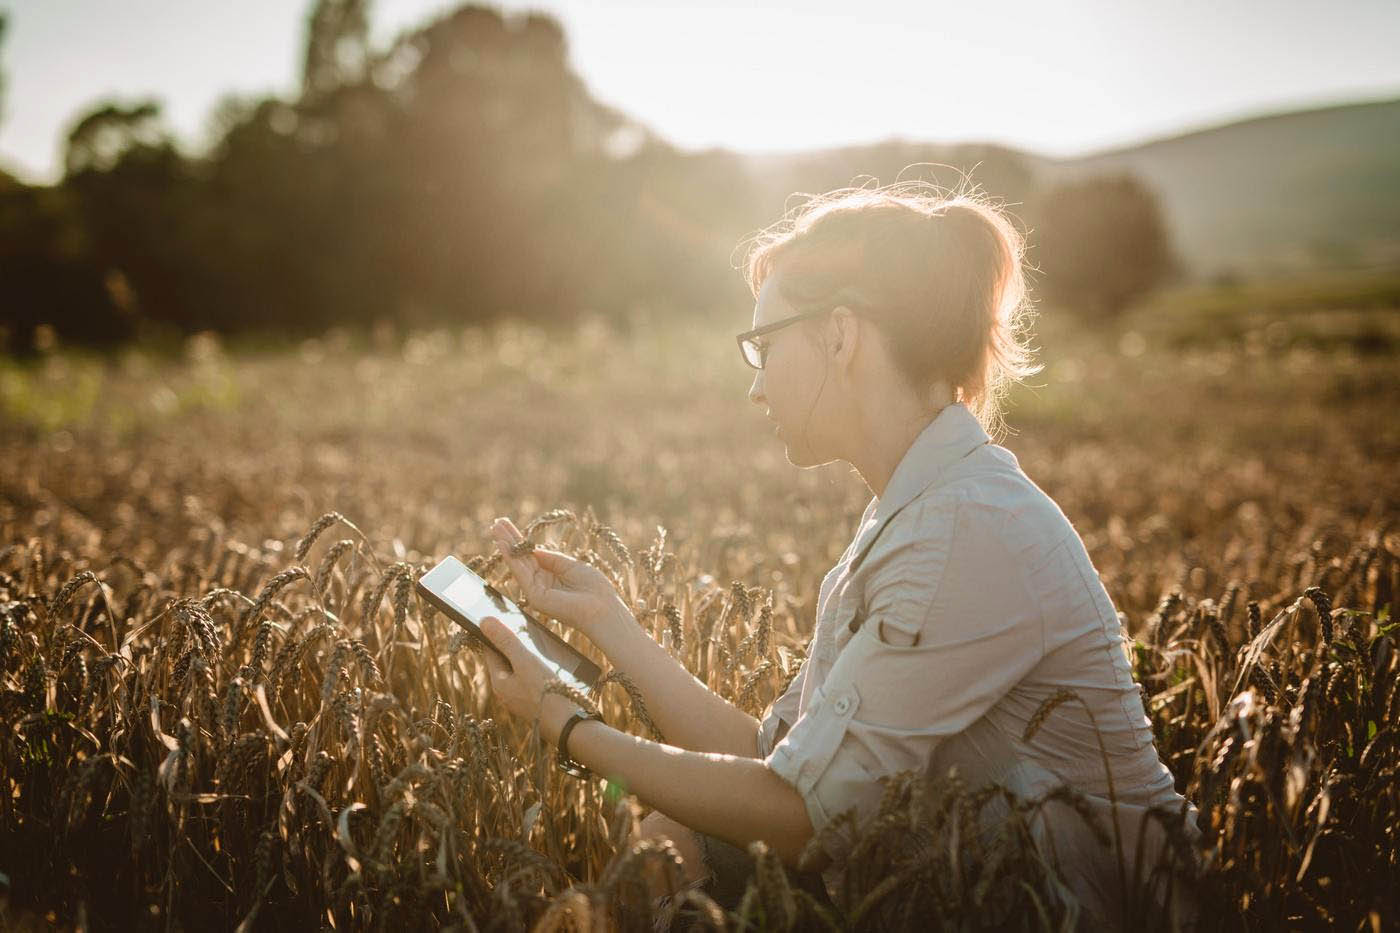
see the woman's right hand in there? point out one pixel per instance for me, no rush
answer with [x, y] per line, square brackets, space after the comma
[575, 593]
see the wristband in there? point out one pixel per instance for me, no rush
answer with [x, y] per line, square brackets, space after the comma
[567, 764]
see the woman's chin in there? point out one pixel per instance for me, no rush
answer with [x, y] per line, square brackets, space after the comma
[799, 454]
[802, 456]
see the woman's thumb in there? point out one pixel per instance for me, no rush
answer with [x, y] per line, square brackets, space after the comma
[497, 634]
[553, 561]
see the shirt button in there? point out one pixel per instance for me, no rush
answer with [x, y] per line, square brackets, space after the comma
[842, 704]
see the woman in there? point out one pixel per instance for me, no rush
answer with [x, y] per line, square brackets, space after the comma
[887, 326]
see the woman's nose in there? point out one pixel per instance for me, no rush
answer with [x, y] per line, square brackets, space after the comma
[756, 390]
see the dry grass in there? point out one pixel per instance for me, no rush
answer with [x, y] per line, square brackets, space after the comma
[218, 707]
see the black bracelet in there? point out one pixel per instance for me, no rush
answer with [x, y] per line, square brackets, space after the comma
[567, 764]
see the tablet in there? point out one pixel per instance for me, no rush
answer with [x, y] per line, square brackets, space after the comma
[466, 599]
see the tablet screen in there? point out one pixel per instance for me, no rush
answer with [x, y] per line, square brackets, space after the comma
[475, 600]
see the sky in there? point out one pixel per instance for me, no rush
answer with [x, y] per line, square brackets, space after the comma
[1060, 78]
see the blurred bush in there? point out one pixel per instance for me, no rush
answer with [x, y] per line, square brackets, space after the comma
[1101, 243]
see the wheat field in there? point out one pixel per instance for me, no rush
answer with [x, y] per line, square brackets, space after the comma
[224, 707]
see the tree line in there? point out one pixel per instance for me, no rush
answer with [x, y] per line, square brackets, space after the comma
[460, 174]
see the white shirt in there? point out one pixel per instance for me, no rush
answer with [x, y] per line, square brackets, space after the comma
[967, 555]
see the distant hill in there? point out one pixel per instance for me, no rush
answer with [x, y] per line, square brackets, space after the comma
[1313, 187]
[1255, 197]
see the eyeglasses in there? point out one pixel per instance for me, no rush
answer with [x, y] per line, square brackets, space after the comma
[754, 351]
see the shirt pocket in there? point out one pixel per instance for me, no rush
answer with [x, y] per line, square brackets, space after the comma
[847, 618]
[834, 628]
[935, 688]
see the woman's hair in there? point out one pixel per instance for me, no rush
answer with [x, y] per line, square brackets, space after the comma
[939, 272]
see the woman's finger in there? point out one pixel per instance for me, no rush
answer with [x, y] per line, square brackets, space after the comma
[553, 561]
[506, 536]
[504, 529]
[497, 634]
[495, 669]
[500, 636]
[524, 570]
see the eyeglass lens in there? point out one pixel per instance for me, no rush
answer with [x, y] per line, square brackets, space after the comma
[752, 354]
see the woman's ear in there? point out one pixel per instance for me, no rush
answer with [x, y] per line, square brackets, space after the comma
[844, 322]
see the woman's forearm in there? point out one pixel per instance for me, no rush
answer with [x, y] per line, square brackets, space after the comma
[688, 713]
[735, 798]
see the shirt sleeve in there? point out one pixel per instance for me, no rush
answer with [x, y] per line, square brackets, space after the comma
[946, 575]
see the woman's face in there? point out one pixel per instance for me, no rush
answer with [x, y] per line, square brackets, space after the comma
[794, 385]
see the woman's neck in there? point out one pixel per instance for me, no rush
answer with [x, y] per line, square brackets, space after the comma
[887, 435]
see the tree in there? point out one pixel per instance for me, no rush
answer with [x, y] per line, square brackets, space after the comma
[105, 135]
[136, 197]
[462, 173]
[337, 46]
[1099, 244]
[51, 273]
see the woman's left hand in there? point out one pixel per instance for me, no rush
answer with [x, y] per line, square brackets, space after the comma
[521, 687]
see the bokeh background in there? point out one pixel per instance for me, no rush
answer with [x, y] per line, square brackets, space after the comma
[427, 164]
[296, 298]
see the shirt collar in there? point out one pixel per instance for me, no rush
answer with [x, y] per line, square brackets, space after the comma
[949, 437]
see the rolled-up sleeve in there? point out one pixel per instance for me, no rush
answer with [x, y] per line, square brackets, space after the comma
[944, 577]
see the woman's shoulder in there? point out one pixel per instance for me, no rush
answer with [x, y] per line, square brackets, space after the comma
[989, 489]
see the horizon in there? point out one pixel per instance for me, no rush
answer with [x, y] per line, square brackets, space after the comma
[1391, 96]
[1118, 98]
